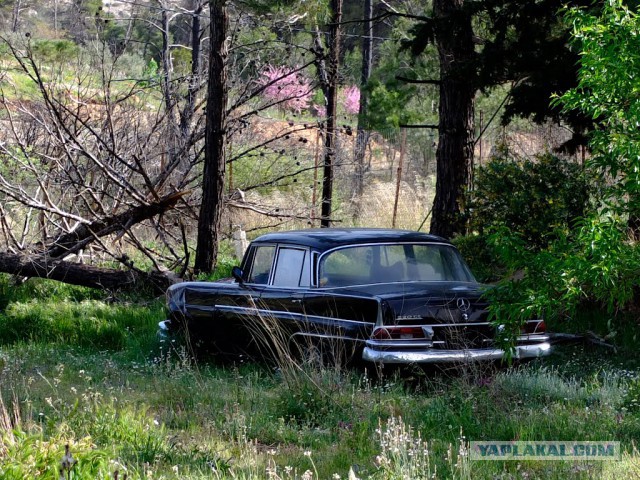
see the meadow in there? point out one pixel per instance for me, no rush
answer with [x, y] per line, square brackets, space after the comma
[86, 372]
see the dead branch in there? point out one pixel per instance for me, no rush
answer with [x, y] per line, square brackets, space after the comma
[76, 239]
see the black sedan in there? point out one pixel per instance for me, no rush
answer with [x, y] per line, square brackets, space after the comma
[385, 296]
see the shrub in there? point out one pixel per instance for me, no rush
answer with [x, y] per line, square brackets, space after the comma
[535, 198]
[485, 264]
[55, 50]
[596, 266]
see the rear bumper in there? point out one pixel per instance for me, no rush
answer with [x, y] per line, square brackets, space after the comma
[453, 356]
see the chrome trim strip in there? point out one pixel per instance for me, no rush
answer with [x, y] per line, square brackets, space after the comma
[345, 287]
[454, 356]
[275, 313]
[533, 337]
[401, 343]
[461, 324]
[327, 337]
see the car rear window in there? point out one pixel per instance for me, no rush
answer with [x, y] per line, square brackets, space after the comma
[366, 264]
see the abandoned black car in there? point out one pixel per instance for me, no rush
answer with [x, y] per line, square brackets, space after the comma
[389, 296]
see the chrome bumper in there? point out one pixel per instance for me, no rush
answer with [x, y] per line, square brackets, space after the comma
[454, 356]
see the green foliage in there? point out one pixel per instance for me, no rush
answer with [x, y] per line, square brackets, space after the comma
[147, 41]
[595, 266]
[631, 400]
[50, 51]
[393, 102]
[181, 61]
[132, 65]
[224, 265]
[388, 103]
[608, 92]
[481, 257]
[538, 198]
[150, 73]
[113, 34]
[527, 41]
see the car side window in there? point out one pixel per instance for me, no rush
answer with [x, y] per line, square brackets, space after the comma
[289, 268]
[349, 266]
[262, 261]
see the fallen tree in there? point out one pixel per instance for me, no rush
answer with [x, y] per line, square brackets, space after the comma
[85, 275]
[83, 234]
[50, 264]
[91, 174]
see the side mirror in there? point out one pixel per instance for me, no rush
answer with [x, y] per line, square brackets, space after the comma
[237, 274]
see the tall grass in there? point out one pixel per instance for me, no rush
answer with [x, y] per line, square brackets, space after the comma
[136, 408]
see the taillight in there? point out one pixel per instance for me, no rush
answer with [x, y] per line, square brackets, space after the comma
[534, 327]
[398, 333]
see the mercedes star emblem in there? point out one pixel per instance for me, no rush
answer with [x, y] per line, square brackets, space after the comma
[463, 304]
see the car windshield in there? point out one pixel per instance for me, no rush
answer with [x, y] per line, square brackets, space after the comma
[367, 264]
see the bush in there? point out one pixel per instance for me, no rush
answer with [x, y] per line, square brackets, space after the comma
[597, 266]
[480, 255]
[50, 51]
[534, 198]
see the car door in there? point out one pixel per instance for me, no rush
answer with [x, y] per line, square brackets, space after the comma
[238, 310]
[282, 301]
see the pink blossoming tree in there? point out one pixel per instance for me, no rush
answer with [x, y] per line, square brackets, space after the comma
[285, 87]
[321, 110]
[351, 99]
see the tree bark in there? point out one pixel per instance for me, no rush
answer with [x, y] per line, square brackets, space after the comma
[454, 38]
[15, 20]
[332, 101]
[167, 67]
[83, 275]
[194, 79]
[215, 132]
[362, 136]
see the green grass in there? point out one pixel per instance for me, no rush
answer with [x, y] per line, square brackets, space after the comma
[90, 374]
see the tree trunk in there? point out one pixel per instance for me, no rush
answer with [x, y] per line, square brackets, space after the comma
[214, 155]
[454, 38]
[167, 67]
[332, 103]
[85, 233]
[362, 136]
[83, 275]
[194, 79]
[15, 20]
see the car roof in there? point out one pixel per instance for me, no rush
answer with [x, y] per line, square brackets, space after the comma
[328, 238]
